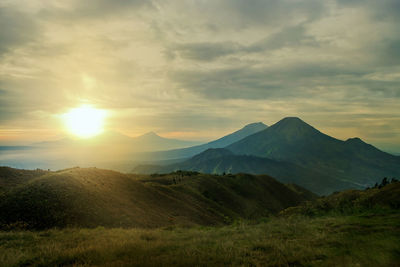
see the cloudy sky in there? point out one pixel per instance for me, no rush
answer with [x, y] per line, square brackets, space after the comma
[198, 69]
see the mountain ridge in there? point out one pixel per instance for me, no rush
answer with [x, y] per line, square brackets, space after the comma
[228, 139]
[222, 161]
[292, 143]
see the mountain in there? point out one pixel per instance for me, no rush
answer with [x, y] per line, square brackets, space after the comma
[293, 151]
[220, 161]
[147, 142]
[91, 197]
[295, 141]
[112, 150]
[107, 150]
[219, 143]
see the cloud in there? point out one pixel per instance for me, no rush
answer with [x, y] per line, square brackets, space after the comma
[380, 10]
[390, 52]
[294, 36]
[18, 29]
[168, 64]
[296, 80]
[205, 51]
[91, 9]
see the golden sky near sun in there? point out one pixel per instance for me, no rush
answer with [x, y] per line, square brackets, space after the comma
[85, 121]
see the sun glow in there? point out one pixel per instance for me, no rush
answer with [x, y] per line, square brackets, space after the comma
[85, 121]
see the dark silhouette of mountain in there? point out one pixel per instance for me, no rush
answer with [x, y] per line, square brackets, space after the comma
[219, 143]
[94, 197]
[290, 138]
[294, 151]
[295, 141]
[220, 161]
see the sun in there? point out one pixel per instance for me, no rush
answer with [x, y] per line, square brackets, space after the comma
[85, 121]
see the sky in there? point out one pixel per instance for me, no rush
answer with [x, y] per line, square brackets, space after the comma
[199, 69]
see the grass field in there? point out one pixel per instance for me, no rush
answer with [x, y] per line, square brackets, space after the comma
[369, 239]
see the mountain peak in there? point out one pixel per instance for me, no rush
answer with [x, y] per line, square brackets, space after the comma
[293, 126]
[255, 124]
[355, 140]
[150, 134]
[291, 120]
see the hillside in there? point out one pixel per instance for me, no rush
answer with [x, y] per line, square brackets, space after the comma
[224, 141]
[380, 199]
[10, 178]
[94, 197]
[219, 161]
[352, 228]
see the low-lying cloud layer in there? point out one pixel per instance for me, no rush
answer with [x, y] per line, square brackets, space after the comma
[205, 67]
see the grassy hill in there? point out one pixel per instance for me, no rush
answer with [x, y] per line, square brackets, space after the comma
[372, 200]
[93, 197]
[337, 233]
[10, 177]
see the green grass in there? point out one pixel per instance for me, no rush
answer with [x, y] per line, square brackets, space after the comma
[356, 240]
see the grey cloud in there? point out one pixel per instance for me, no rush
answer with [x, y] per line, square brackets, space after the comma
[102, 7]
[381, 10]
[390, 52]
[294, 36]
[254, 83]
[19, 98]
[205, 51]
[94, 9]
[17, 29]
[273, 11]
[218, 17]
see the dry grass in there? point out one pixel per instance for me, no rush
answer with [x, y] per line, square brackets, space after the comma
[363, 240]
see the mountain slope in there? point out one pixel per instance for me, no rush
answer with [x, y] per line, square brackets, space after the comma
[219, 143]
[295, 141]
[94, 197]
[378, 199]
[10, 178]
[219, 161]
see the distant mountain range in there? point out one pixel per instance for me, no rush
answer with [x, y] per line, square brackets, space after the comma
[293, 151]
[113, 150]
[143, 143]
[182, 153]
[290, 150]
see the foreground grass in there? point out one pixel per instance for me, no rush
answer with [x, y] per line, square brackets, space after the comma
[361, 240]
